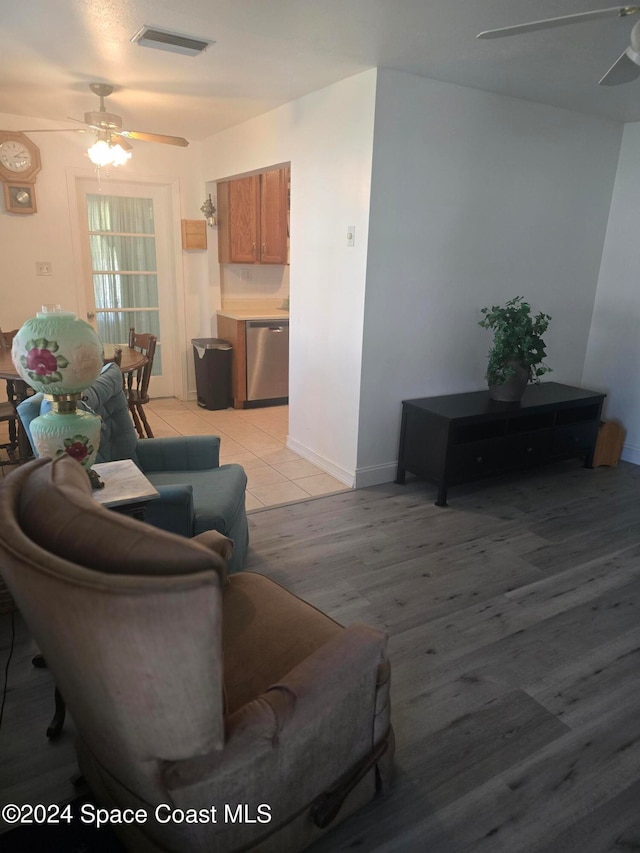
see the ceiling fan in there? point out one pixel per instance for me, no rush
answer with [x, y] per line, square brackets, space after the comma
[623, 70]
[108, 126]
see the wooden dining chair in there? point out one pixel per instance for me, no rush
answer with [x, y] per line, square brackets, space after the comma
[137, 381]
[8, 413]
[117, 357]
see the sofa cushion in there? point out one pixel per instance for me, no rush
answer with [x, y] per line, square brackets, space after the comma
[218, 494]
[266, 632]
[57, 511]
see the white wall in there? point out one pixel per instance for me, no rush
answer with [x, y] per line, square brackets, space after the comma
[47, 234]
[243, 282]
[613, 355]
[327, 137]
[476, 198]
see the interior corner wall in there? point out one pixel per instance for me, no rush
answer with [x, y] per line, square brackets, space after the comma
[327, 137]
[476, 198]
[47, 234]
[613, 353]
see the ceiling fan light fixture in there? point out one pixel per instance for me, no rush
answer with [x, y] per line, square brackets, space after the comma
[103, 119]
[174, 42]
[119, 155]
[105, 153]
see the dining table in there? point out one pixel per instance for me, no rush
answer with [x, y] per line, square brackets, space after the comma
[130, 361]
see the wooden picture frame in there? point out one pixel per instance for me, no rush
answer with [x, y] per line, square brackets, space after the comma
[194, 234]
[20, 197]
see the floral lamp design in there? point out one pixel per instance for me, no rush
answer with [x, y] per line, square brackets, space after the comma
[60, 355]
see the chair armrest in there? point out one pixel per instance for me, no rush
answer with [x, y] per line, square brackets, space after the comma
[173, 510]
[322, 715]
[179, 453]
[28, 410]
[218, 542]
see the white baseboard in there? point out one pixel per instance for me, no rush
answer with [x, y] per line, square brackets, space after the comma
[374, 475]
[360, 479]
[345, 477]
[630, 453]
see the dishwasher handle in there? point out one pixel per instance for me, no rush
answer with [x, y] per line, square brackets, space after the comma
[267, 324]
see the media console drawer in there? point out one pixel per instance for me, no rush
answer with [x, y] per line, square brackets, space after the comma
[459, 437]
[576, 438]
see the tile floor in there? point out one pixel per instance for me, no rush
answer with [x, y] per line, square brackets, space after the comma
[255, 438]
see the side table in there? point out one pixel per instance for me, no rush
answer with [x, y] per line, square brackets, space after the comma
[126, 489]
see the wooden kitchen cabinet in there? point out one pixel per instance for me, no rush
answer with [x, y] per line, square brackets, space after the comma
[252, 218]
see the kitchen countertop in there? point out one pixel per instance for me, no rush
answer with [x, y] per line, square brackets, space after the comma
[254, 313]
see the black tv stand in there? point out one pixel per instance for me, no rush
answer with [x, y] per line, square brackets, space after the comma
[460, 437]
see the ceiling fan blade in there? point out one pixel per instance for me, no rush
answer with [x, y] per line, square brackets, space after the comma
[625, 69]
[54, 130]
[122, 142]
[153, 137]
[548, 23]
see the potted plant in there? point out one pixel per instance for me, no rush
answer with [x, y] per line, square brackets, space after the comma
[518, 350]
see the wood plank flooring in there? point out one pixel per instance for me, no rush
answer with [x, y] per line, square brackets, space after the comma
[514, 638]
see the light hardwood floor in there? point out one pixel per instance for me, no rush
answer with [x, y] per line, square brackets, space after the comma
[514, 638]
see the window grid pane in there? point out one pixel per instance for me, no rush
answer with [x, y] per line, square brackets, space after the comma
[131, 254]
[113, 326]
[125, 290]
[115, 213]
[123, 257]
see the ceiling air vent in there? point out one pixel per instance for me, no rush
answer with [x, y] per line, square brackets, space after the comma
[176, 43]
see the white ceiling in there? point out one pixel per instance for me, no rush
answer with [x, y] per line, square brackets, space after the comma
[268, 52]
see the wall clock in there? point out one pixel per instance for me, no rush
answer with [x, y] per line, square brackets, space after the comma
[20, 198]
[19, 157]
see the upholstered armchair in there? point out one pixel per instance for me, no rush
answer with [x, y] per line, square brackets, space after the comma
[224, 698]
[196, 492]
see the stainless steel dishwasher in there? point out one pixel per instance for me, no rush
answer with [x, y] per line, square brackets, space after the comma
[267, 359]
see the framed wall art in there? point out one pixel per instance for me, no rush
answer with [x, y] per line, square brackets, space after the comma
[20, 198]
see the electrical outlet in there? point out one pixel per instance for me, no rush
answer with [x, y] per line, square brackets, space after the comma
[43, 268]
[245, 275]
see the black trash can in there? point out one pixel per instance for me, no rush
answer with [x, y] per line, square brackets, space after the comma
[212, 359]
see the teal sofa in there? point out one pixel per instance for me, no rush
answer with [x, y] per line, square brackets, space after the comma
[196, 492]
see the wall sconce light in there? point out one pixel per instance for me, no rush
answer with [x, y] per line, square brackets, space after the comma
[209, 212]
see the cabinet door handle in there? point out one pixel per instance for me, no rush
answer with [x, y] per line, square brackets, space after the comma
[253, 249]
[478, 458]
[264, 248]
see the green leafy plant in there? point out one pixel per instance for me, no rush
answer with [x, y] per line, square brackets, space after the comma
[517, 338]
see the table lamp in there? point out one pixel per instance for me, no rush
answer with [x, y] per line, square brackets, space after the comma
[60, 355]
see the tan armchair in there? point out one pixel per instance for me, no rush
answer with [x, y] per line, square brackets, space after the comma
[191, 690]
